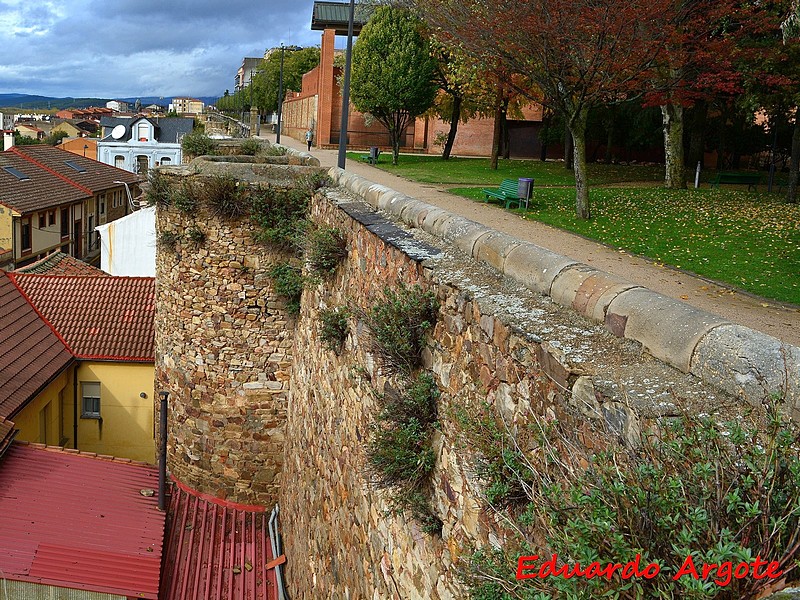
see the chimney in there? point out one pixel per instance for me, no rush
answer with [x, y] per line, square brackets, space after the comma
[8, 140]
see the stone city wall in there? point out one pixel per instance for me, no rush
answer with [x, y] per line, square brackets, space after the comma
[494, 341]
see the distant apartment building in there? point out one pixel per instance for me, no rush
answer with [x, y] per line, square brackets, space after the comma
[118, 105]
[186, 105]
[6, 121]
[138, 144]
[246, 73]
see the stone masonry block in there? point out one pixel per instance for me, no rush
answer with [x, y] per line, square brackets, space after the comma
[749, 364]
[668, 329]
[565, 286]
[463, 235]
[535, 267]
[493, 249]
[597, 293]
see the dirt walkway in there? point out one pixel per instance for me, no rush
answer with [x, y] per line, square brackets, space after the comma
[782, 322]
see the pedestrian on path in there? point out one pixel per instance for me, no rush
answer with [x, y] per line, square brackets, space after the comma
[309, 138]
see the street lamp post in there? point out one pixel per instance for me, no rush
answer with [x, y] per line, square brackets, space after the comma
[346, 90]
[280, 100]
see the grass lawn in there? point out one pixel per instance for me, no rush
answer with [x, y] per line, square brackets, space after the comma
[476, 171]
[750, 240]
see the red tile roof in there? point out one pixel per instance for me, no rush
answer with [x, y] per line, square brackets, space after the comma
[78, 522]
[101, 318]
[216, 551]
[31, 354]
[95, 176]
[59, 263]
[40, 191]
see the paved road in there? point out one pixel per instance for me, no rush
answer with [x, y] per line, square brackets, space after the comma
[780, 321]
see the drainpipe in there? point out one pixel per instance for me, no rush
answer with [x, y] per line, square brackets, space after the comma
[75, 408]
[162, 453]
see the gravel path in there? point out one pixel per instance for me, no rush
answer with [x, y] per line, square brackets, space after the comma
[780, 321]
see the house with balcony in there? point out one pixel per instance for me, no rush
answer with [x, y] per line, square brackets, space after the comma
[142, 143]
[51, 200]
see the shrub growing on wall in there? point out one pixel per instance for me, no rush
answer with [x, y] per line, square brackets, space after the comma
[696, 489]
[399, 325]
[325, 249]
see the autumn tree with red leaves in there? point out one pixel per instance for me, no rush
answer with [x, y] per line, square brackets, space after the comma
[576, 54]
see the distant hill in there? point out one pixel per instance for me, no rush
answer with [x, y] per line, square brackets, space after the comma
[27, 101]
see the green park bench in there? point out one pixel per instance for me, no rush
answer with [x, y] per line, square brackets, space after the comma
[508, 192]
[751, 179]
[372, 157]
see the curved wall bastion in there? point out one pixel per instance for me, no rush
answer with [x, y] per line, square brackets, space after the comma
[260, 411]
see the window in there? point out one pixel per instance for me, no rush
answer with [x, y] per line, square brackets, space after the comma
[26, 234]
[42, 220]
[51, 218]
[64, 222]
[166, 160]
[119, 161]
[102, 204]
[90, 393]
[74, 166]
[143, 132]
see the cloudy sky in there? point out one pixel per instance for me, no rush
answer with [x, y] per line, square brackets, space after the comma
[124, 48]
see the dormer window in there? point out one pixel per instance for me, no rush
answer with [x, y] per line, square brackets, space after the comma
[143, 132]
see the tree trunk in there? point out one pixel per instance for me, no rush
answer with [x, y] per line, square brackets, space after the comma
[506, 140]
[394, 140]
[609, 140]
[794, 164]
[498, 128]
[578, 130]
[455, 117]
[675, 172]
[697, 144]
[569, 149]
[546, 119]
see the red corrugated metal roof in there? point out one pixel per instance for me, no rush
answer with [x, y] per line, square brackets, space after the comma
[101, 318]
[31, 354]
[80, 522]
[216, 551]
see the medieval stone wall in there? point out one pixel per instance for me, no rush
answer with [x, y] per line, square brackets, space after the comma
[223, 351]
[493, 342]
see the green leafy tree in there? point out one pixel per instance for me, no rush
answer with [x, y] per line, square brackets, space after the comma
[296, 62]
[393, 71]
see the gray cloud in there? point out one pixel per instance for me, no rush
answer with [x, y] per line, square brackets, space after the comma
[140, 47]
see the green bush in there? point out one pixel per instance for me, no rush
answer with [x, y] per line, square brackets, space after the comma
[158, 190]
[288, 281]
[695, 487]
[195, 234]
[226, 197]
[325, 249]
[168, 240]
[399, 453]
[280, 215]
[399, 325]
[250, 147]
[334, 328]
[186, 197]
[197, 143]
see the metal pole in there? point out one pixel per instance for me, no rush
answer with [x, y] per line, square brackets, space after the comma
[280, 100]
[346, 90]
[162, 453]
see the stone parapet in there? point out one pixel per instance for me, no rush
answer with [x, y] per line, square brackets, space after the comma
[671, 330]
